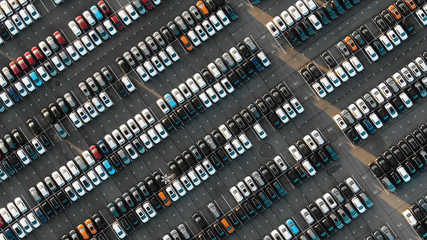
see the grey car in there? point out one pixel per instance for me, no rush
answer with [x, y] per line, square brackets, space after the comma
[159, 39]
[248, 41]
[67, 61]
[50, 184]
[144, 49]
[107, 74]
[52, 43]
[81, 163]
[70, 100]
[258, 179]
[221, 65]
[175, 235]
[84, 89]
[343, 49]
[138, 6]
[392, 84]
[129, 59]
[150, 42]
[215, 212]
[338, 196]
[35, 194]
[61, 132]
[188, 19]
[7, 74]
[137, 54]
[91, 83]
[387, 233]
[173, 28]
[99, 79]
[370, 101]
[100, 29]
[209, 140]
[347, 116]
[196, 14]
[229, 60]
[181, 24]
[184, 231]
[61, 103]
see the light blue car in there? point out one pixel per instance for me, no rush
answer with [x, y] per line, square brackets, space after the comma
[108, 167]
[94, 9]
[169, 99]
[37, 81]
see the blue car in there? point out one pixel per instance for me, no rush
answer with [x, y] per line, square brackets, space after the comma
[331, 152]
[169, 99]
[13, 94]
[257, 65]
[40, 215]
[2, 108]
[96, 12]
[291, 225]
[108, 167]
[37, 81]
[264, 199]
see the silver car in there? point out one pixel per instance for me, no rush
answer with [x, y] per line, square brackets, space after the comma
[209, 140]
[196, 14]
[91, 83]
[99, 79]
[187, 17]
[212, 208]
[221, 65]
[159, 39]
[129, 59]
[248, 41]
[150, 42]
[137, 54]
[392, 84]
[70, 100]
[144, 49]
[52, 43]
[181, 24]
[184, 231]
[258, 179]
[228, 59]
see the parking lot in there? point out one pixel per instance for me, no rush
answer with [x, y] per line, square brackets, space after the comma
[285, 63]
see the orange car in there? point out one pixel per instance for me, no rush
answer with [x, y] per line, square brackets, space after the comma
[82, 231]
[187, 44]
[350, 43]
[227, 225]
[393, 10]
[90, 226]
[411, 4]
[165, 200]
[202, 7]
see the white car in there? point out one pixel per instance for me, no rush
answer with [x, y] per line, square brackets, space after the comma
[42, 189]
[125, 18]
[408, 76]
[110, 141]
[358, 204]
[38, 146]
[223, 17]
[282, 115]
[377, 95]
[285, 232]
[236, 194]
[177, 95]
[361, 131]
[90, 109]
[295, 153]
[161, 130]
[287, 18]
[186, 182]
[150, 68]
[179, 188]
[421, 16]
[315, 22]
[371, 53]
[245, 141]
[206, 101]
[128, 83]
[294, 13]
[194, 38]
[212, 95]
[95, 37]
[235, 54]
[410, 217]
[21, 89]
[340, 122]
[93, 177]
[74, 28]
[214, 70]
[302, 8]
[386, 42]
[33, 11]
[326, 84]
[171, 193]
[393, 37]
[297, 105]
[362, 106]
[376, 120]
[215, 22]
[289, 110]
[28, 83]
[201, 172]
[141, 214]
[273, 29]
[201, 33]
[421, 64]
[18, 22]
[264, 60]
[320, 91]
[43, 73]
[250, 183]
[391, 110]
[307, 216]
[405, 99]
[89, 18]
[259, 131]
[400, 31]
[118, 230]
[13, 210]
[78, 188]
[399, 80]
[308, 167]
[349, 68]
[148, 116]
[165, 58]
[141, 122]
[238, 146]
[353, 185]
[110, 27]
[11, 27]
[25, 225]
[317, 137]
[199, 80]
[278, 21]
[330, 200]
[208, 27]
[72, 52]
[163, 106]
[356, 63]
[322, 205]
[58, 63]
[131, 12]
[153, 136]
[73, 168]
[220, 90]
[156, 62]
[230, 151]
[172, 53]
[101, 172]
[414, 69]
[311, 4]
[88, 158]
[21, 205]
[65, 173]
[33, 220]
[80, 47]
[339, 71]
[25, 16]
[86, 183]
[280, 162]
[146, 141]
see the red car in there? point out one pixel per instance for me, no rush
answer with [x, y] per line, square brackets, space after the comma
[147, 4]
[104, 8]
[37, 53]
[21, 62]
[61, 40]
[95, 152]
[2, 224]
[30, 58]
[117, 23]
[81, 22]
[15, 69]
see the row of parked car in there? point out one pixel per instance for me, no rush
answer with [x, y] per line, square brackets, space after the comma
[334, 210]
[15, 17]
[416, 216]
[309, 22]
[215, 78]
[402, 161]
[385, 102]
[384, 232]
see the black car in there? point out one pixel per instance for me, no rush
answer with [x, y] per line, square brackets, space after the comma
[268, 176]
[58, 207]
[381, 24]
[242, 75]
[181, 163]
[303, 148]
[397, 153]
[274, 169]
[329, 60]
[274, 120]
[315, 162]
[240, 122]
[202, 145]
[417, 134]
[249, 209]
[126, 226]
[189, 158]
[383, 164]
[45, 141]
[151, 184]
[207, 75]
[120, 89]
[293, 178]
[63, 198]
[314, 70]
[123, 65]
[13, 159]
[376, 170]
[182, 115]
[301, 172]
[48, 209]
[358, 38]
[408, 26]
[247, 116]
[134, 220]
[243, 49]
[405, 148]
[219, 230]
[241, 214]
[277, 96]
[48, 116]
[197, 104]
[306, 75]
[167, 34]
[262, 106]
[412, 142]
[315, 211]
[190, 110]
[269, 101]
[418, 212]
[254, 110]
[390, 159]
[388, 18]
[403, 8]
[327, 225]
[345, 190]
[219, 138]
[291, 35]
[233, 127]
[366, 33]
[200, 221]
[174, 168]
[167, 125]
